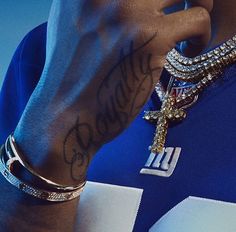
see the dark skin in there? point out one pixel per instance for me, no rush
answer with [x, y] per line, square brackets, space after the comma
[223, 21]
[116, 110]
[80, 132]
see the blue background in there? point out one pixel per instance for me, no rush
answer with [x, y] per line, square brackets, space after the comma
[17, 17]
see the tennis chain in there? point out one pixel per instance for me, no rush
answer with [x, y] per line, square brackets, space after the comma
[202, 70]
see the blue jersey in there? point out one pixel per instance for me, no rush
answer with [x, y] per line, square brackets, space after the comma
[199, 159]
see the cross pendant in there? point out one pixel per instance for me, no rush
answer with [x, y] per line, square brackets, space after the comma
[168, 113]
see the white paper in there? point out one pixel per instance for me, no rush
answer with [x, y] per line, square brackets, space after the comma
[198, 215]
[108, 208]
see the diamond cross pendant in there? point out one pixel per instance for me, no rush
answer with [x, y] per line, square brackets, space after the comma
[168, 113]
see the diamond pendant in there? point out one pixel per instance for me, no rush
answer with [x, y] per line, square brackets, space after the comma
[168, 113]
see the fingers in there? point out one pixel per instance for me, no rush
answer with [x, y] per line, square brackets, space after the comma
[193, 46]
[187, 24]
[192, 25]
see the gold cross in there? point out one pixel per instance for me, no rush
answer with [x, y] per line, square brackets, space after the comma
[168, 113]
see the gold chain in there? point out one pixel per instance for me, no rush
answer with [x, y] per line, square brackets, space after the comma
[202, 70]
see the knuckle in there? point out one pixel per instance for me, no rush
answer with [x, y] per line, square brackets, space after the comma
[123, 11]
[203, 15]
[129, 10]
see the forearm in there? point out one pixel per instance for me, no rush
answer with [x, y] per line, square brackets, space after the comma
[20, 212]
[31, 214]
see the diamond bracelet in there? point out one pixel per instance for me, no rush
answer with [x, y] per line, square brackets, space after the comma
[58, 193]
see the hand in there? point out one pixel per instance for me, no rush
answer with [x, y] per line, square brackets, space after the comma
[103, 60]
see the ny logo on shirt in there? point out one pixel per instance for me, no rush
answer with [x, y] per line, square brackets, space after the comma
[162, 164]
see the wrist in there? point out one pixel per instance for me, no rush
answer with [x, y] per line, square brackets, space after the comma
[56, 145]
[55, 159]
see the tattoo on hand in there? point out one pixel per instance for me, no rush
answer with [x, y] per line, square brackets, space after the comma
[120, 97]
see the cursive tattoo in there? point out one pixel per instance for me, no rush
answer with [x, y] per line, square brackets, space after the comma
[119, 97]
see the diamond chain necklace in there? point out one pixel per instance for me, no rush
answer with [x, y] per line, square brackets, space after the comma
[202, 70]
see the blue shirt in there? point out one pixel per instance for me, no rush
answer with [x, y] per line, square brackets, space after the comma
[206, 164]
